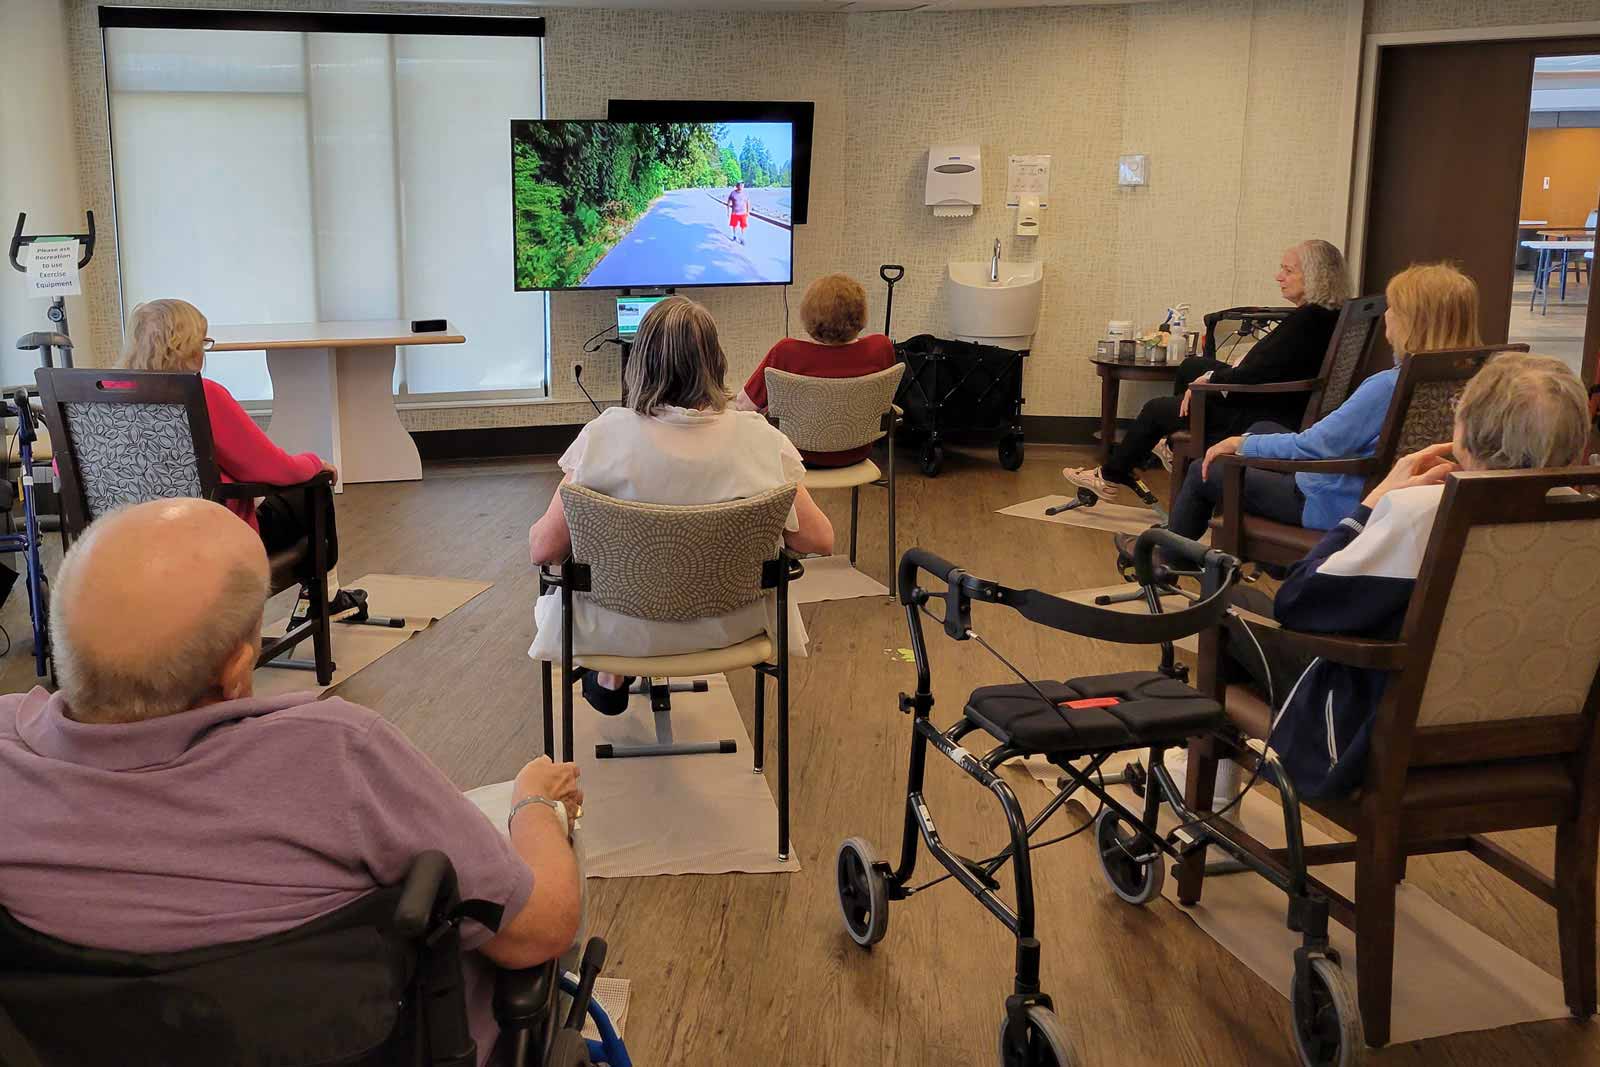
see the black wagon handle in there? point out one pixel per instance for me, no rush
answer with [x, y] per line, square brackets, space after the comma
[890, 273]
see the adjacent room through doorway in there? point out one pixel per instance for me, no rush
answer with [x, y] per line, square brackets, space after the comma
[1556, 218]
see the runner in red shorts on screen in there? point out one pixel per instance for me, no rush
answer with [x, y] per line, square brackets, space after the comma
[738, 213]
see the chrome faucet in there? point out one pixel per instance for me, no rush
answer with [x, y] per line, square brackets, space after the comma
[994, 263]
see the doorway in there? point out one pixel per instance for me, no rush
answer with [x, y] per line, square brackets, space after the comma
[1554, 255]
[1450, 137]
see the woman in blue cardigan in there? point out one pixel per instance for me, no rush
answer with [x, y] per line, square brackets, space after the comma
[1431, 307]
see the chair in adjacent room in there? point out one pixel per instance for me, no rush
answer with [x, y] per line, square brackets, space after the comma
[1488, 723]
[1421, 413]
[838, 415]
[1353, 335]
[377, 982]
[670, 563]
[125, 437]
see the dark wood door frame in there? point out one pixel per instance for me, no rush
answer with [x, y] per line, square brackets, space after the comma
[1449, 137]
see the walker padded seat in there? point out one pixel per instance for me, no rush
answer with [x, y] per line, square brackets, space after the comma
[1154, 709]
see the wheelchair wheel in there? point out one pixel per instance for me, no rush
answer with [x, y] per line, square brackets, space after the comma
[863, 896]
[1327, 1023]
[1044, 1045]
[1134, 881]
[569, 1049]
[932, 460]
[1010, 452]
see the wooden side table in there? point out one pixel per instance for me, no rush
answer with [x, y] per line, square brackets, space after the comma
[1112, 374]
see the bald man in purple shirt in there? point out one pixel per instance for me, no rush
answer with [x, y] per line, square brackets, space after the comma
[154, 805]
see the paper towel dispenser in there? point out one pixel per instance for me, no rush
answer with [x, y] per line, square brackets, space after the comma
[955, 179]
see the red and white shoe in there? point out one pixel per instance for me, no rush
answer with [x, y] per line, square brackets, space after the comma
[1163, 452]
[1089, 478]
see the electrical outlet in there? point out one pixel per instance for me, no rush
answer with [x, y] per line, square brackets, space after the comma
[577, 371]
[1547, 182]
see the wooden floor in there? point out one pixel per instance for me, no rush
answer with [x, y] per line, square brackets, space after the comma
[756, 969]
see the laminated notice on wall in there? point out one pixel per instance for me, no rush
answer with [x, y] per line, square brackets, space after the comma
[53, 267]
[1028, 177]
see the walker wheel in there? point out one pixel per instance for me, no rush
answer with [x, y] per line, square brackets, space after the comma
[863, 893]
[1044, 1044]
[1010, 452]
[1138, 881]
[1327, 1024]
[932, 460]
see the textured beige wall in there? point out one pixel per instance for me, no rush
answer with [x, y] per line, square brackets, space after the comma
[1235, 102]
[1397, 16]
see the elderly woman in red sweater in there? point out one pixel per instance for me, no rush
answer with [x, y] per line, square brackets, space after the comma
[834, 312]
[170, 335]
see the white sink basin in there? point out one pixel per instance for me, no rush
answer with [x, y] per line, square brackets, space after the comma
[1004, 312]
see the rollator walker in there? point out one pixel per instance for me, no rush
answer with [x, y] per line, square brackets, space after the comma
[1078, 725]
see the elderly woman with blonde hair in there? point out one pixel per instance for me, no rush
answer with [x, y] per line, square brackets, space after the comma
[677, 441]
[170, 335]
[834, 312]
[1432, 306]
[1311, 276]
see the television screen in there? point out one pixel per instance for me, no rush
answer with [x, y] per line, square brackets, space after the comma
[629, 205]
[631, 311]
[801, 114]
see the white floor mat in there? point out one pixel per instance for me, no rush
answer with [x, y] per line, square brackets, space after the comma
[833, 578]
[1449, 977]
[1115, 518]
[706, 814]
[419, 600]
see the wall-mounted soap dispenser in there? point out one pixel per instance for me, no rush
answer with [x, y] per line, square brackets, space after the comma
[955, 179]
[1029, 217]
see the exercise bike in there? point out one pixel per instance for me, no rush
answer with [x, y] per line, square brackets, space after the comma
[1077, 725]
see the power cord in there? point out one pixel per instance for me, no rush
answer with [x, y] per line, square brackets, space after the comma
[598, 339]
[577, 376]
[786, 311]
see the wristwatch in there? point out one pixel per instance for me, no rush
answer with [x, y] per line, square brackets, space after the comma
[554, 805]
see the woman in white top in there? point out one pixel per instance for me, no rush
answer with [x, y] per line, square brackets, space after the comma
[676, 442]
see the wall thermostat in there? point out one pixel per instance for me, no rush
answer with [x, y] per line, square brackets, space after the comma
[1133, 170]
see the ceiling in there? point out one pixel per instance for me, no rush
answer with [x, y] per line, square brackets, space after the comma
[842, 7]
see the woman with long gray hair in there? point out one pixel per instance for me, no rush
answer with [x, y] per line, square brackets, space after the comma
[677, 441]
[1312, 277]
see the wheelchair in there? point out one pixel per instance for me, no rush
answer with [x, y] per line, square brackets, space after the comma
[376, 983]
[1078, 725]
[28, 539]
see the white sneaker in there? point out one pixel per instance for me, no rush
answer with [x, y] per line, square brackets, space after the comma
[1163, 452]
[1089, 478]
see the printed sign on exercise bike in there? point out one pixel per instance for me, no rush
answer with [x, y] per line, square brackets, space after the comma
[53, 267]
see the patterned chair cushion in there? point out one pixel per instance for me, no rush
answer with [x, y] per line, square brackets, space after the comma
[1521, 633]
[1353, 344]
[131, 453]
[675, 563]
[1431, 417]
[831, 414]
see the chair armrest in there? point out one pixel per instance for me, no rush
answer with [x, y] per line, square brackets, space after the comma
[248, 490]
[523, 999]
[1358, 652]
[1265, 387]
[1304, 466]
[430, 877]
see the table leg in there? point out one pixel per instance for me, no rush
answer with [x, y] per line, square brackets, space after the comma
[1533, 294]
[375, 446]
[305, 402]
[1564, 268]
[1110, 386]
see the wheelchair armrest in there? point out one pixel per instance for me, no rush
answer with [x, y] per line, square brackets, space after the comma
[523, 999]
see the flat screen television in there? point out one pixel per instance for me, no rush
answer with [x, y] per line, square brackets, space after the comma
[801, 114]
[640, 205]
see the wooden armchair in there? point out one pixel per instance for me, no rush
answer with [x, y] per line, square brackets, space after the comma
[1488, 723]
[125, 437]
[1421, 413]
[1352, 339]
